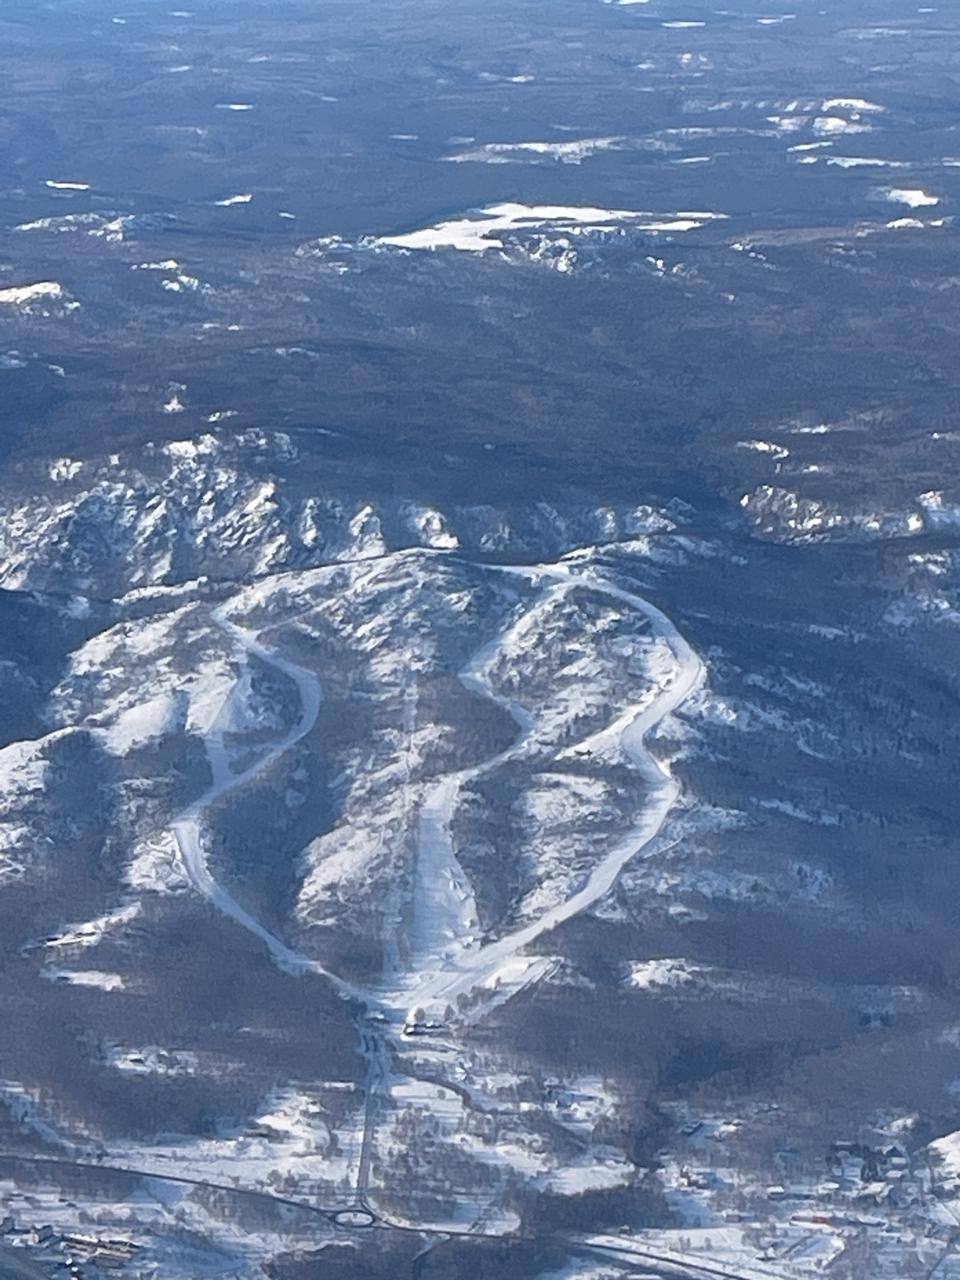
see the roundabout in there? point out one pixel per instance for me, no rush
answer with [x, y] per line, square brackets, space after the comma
[354, 1218]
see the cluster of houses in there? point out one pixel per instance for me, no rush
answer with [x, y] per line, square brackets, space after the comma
[79, 1256]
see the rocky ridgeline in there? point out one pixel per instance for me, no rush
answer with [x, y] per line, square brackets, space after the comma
[781, 515]
[237, 509]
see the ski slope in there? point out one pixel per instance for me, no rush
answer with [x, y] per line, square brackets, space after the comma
[444, 959]
[187, 828]
[441, 961]
[444, 956]
[470, 968]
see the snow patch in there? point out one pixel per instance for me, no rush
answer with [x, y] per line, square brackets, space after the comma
[484, 229]
[913, 197]
[92, 932]
[22, 295]
[95, 978]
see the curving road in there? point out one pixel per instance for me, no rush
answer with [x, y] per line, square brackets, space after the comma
[671, 1266]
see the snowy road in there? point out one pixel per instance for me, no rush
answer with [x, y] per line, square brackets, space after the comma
[673, 1265]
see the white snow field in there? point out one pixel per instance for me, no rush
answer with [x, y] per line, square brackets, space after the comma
[483, 229]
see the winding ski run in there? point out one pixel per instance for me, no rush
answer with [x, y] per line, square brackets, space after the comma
[188, 827]
[469, 967]
[446, 961]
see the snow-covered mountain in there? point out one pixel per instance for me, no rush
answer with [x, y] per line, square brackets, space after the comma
[479, 586]
[403, 764]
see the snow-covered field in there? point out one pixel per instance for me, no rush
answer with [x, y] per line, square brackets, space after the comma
[486, 228]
